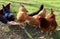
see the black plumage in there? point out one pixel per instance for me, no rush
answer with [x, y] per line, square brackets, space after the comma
[3, 19]
[34, 13]
[7, 6]
[8, 14]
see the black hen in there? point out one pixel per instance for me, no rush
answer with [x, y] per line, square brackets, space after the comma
[34, 13]
[3, 19]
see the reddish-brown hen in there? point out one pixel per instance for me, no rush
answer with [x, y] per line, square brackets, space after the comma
[49, 23]
[52, 20]
[34, 20]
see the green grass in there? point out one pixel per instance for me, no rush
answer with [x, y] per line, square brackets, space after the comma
[33, 5]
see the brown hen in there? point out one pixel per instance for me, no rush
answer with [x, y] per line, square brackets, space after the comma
[52, 20]
[34, 20]
[22, 14]
[49, 23]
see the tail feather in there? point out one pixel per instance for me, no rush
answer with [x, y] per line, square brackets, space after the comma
[7, 6]
[9, 16]
[5, 10]
[34, 13]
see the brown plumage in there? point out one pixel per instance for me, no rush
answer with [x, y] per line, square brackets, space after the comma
[7, 6]
[52, 20]
[49, 23]
[33, 21]
[22, 14]
[44, 24]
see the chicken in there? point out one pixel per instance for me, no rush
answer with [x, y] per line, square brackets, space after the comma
[52, 20]
[48, 24]
[9, 16]
[7, 6]
[5, 21]
[44, 24]
[22, 14]
[42, 13]
[34, 20]
[34, 13]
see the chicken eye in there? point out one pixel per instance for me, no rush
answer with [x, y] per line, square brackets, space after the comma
[26, 10]
[52, 16]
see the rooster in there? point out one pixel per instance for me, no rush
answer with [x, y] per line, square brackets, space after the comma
[34, 13]
[22, 14]
[7, 6]
[9, 16]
